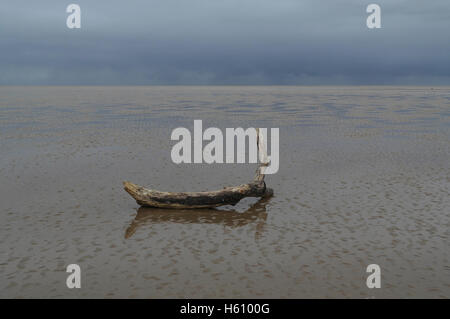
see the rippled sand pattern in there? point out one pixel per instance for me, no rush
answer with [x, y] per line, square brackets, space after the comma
[364, 178]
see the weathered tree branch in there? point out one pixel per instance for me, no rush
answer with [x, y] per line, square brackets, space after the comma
[225, 196]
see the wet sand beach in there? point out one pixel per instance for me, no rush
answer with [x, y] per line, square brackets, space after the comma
[364, 178]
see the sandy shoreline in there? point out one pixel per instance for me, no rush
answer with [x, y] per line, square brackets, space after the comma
[364, 178]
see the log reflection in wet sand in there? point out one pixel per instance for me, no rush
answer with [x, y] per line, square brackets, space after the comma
[255, 214]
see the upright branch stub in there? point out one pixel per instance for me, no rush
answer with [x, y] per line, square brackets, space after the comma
[262, 156]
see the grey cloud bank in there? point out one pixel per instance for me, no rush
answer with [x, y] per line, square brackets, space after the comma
[224, 42]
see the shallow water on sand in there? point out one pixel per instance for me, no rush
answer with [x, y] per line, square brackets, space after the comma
[364, 178]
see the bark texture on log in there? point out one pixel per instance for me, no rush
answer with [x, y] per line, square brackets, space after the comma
[226, 196]
[186, 200]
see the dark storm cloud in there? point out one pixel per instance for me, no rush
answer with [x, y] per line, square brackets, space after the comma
[224, 42]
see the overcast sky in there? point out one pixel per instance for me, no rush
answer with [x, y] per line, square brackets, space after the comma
[141, 42]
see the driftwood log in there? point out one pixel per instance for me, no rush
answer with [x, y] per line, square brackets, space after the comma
[226, 196]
